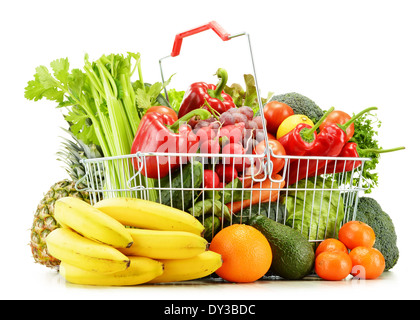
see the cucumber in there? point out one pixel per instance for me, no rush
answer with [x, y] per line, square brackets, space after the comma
[273, 210]
[293, 255]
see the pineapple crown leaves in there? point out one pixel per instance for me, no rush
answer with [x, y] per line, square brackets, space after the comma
[72, 152]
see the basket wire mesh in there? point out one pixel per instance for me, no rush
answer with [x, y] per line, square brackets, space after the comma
[316, 206]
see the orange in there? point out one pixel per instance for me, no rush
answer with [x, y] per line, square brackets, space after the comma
[356, 234]
[333, 265]
[368, 263]
[246, 253]
[331, 244]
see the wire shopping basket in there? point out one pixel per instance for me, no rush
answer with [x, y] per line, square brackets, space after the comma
[316, 205]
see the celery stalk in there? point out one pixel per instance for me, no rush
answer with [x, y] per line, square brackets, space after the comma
[103, 107]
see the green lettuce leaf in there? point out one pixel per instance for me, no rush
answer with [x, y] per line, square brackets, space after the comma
[248, 96]
[175, 98]
[316, 212]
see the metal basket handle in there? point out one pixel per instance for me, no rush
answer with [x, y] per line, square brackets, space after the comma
[80, 181]
[213, 25]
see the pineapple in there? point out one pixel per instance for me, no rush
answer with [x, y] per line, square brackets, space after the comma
[44, 222]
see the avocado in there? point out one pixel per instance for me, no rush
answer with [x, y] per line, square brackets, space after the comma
[293, 255]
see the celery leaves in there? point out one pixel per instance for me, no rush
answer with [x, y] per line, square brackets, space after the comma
[101, 101]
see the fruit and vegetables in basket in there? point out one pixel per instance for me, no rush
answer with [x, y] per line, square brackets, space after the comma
[219, 184]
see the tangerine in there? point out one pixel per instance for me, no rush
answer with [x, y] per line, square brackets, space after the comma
[356, 234]
[368, 263]
[331, 244]
[246, 253]
[333, 265]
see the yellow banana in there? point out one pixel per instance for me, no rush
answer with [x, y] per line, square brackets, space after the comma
[158, 244]
[141, 270]
[90, 222]
[196, 267]
[149, 215]
[72, 248]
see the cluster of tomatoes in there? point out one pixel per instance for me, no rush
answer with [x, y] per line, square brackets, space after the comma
[352, 253]
[281, 119]
[282, 122]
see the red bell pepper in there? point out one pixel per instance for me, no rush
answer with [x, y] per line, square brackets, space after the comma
[295, 143]
[200, 92]
[302, 138]
[158, 132]
[350, 150]
[329, 143]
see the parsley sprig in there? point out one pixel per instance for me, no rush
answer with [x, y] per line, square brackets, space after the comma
[366, 136]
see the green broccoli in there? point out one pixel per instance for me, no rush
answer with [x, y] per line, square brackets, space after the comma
[370, 212]
[300, 105]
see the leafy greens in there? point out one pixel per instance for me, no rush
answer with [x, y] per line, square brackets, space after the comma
[248, 96]
[366, 136]
[317, 211]
[103, 105]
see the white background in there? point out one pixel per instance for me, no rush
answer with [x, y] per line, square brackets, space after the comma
[350, 55]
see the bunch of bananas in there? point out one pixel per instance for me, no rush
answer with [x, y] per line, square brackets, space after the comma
[126, 241]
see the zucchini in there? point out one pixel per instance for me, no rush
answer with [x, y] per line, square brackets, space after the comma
[273, 210]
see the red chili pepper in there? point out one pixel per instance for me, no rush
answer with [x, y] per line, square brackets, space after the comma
[302, 138]
[329, 143]
[200, 92]
[350, 150]
[159, 132]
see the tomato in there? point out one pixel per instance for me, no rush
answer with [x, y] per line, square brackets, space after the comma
[333, 265]
[291, 122]
[278, 150]
[271, 136]
[368, 263]
[330, 244]
[165, 110]
[339, 117]
[275, 112]
[356, 233]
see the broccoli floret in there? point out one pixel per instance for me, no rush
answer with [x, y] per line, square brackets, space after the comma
[370, 212]
[300, 105]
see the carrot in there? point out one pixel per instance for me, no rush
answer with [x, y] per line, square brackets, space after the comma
[269, 193]
[247, 181]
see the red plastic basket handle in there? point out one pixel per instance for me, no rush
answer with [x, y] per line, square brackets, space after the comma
[213, 25]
